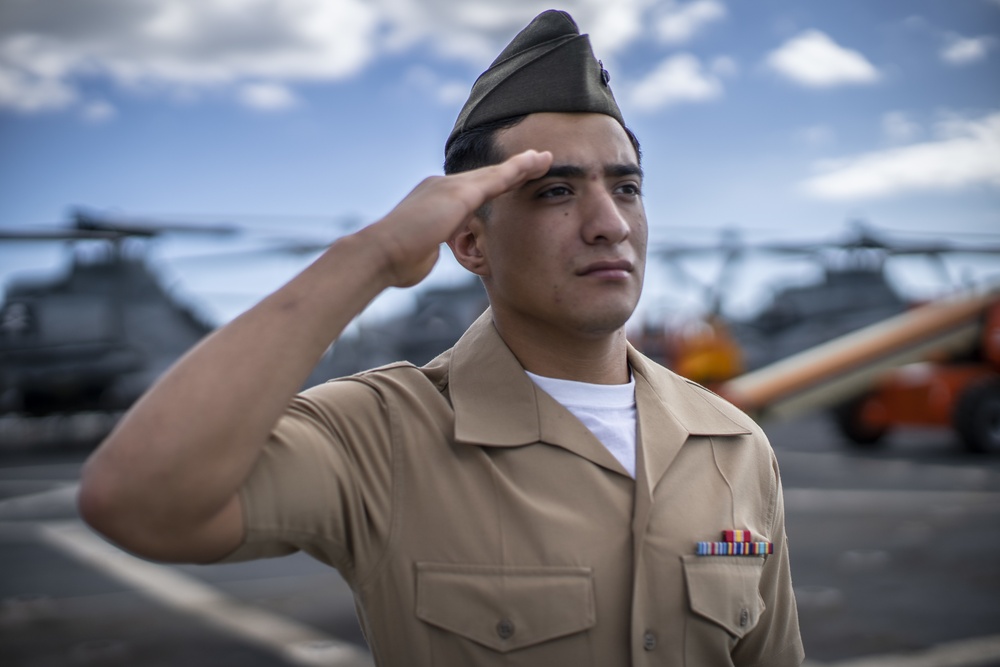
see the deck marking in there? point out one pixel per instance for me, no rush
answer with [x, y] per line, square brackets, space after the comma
[59, 502]
[887, 500]
[295, 642]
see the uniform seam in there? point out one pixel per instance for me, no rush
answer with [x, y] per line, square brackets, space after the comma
[729, 485]
[496, 503]
[775, 486]
[499, 519]
[395, 483]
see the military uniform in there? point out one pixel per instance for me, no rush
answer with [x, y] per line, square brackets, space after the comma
[479, 523]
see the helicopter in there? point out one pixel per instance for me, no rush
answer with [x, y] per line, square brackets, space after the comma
[95, 336]
[852, 291]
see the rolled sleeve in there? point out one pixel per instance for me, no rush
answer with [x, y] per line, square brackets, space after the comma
[322, 484]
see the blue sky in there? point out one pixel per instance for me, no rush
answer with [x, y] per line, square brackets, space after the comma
[780, 118]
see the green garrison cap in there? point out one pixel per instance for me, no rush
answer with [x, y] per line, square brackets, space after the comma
[549, 66]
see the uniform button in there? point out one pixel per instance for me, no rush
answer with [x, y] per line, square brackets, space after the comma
[649, 640]
[505, 629]
[744, 617]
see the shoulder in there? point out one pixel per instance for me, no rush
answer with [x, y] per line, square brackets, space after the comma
[401, 377]
[374, 393]
[396, 376]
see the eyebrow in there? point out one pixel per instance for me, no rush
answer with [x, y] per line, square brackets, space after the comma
[575, 171]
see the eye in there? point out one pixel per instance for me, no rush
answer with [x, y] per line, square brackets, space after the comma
[555, 191]
[630, 189]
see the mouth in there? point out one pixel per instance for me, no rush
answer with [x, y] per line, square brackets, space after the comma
[607, 269]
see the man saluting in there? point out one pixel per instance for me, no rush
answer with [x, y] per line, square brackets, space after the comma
[540, 494]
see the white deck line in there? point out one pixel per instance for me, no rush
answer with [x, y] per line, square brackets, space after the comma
[881, 501]
[296, 643]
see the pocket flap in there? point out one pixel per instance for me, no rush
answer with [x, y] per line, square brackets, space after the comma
[506, 608]
[725, 590]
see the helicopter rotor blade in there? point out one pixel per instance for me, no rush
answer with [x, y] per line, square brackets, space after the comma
[59, 235]
[86, 221]
[290, 247]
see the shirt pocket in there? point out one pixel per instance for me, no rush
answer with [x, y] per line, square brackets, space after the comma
[725, 590]
[532, 614]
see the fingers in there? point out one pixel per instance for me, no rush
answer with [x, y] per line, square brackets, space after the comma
[509, 174]
[410, 234]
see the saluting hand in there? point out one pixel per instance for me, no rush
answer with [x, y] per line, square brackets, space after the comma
[411, 234]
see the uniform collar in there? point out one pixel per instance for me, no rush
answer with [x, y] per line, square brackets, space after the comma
[496, 404]
[670, 409]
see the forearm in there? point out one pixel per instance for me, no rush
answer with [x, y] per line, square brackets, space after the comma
[184, 449]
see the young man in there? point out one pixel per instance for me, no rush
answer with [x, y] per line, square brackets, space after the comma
[534, 496]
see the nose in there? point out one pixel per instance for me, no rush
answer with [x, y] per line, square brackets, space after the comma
[604, 222]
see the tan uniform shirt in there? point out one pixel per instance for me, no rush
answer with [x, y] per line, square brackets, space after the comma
[479, 523]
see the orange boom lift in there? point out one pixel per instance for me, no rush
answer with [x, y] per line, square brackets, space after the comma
[937, 365]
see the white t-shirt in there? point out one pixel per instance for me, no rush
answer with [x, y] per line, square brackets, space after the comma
[608, 410]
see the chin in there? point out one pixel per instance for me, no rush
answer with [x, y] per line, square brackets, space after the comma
[605, 321]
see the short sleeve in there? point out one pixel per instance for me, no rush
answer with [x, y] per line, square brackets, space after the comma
[323, 482]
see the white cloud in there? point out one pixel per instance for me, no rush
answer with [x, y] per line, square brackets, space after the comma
[813, 59]
[679, 23]
[475, 31]
[680, 78]
[816, 136]
[966, 50]
[99, 111]
[452, 93]
[725, 66]
[898, 128]
[965, 154]
[27, 93]
[613, 25]
[267, 96]
[445, 91]
[47, 45]
[184, 49]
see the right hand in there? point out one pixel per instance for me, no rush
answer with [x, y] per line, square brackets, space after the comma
[411, 234]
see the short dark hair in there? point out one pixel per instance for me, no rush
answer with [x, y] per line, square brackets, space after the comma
[476, 147]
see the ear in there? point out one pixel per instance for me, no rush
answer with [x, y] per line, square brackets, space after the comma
[467, 244]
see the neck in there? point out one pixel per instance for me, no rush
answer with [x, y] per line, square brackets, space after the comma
[595, 358]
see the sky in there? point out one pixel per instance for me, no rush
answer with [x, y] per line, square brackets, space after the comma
[779, 119]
